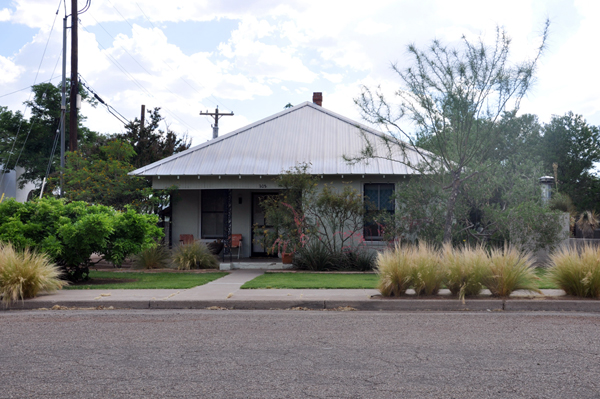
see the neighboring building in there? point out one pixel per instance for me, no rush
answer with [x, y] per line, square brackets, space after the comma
[9, 186]
[221, 181]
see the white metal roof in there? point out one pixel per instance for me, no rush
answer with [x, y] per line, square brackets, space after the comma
[304, 133]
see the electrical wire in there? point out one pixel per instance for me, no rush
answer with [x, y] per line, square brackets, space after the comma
[148, 72]
[216, 102]
[27, 103]
[28, 87]
[120, 118]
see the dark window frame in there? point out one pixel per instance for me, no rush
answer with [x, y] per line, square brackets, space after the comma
[205, 197]
[371, 232]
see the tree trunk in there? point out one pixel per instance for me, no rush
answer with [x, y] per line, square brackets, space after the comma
[450, 208]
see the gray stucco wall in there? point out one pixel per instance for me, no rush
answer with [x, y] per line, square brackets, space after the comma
[186, 207]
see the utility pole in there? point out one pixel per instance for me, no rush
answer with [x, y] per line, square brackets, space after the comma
[143, 117]
[63, 107]
[74, 79]
[216, 115]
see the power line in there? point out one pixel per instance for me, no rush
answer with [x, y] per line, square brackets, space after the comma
[145, 70]
[27, 103]
[216, 102]
[28, 87]
[112, 59]
[124, 120]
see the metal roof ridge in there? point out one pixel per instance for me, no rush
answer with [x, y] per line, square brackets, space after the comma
[226, 136]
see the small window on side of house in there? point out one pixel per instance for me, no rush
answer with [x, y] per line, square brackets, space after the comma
[379, 197]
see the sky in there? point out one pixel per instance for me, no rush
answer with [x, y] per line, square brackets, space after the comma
[253, 57]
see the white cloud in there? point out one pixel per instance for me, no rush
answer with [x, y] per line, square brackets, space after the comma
[4, 15]
[10, 71]
[369, 27]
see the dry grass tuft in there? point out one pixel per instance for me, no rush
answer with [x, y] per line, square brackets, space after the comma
[463, 268]
[427, 273]
[394, 270]
[194, 256]
[24, 274]
[154, 257]
[509, 270]
[577, 272]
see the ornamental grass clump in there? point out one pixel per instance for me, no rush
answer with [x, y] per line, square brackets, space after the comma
[24, 274]
[195, 255]
[509, 270]
[394, 270]
[577, 272]
[426, 271]
[463, 269]
[155, 257]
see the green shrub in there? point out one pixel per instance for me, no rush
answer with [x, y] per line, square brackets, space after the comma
[395, 271]
[314, 257]
[463, 268]
[357, 259]
[154, 257]
[427, 274]
[577, 272]
[509, 270]
[194, 256]
[71, 232]
[23, 274]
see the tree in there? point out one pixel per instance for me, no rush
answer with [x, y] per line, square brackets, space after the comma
[150, 143]
[70, 232]
[455, 98]
[37, 135]
[100, 176]
[574, 146]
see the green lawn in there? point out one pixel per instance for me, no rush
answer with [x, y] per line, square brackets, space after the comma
[545, 282]
[100, 280]
[313, 280]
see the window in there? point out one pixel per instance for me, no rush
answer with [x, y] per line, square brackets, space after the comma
[378, 198]
[213, 213]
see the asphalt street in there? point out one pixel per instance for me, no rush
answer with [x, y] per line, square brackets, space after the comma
[298, 354]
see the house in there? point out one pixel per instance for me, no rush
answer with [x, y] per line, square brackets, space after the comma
[222, 181]
[9, 186]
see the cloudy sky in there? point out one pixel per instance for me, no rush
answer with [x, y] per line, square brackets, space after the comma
[253, 57]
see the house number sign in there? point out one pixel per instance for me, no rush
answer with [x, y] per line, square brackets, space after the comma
[262, 186]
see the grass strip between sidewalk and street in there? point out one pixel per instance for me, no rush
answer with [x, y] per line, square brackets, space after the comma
[101, 280]
[314, 281]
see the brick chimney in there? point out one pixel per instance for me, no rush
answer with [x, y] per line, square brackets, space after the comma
[318, 98]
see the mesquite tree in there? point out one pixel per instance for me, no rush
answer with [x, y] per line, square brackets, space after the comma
[454, 97]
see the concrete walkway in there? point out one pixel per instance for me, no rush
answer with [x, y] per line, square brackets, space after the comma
[225, 293]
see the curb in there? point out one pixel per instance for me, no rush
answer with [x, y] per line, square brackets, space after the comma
[397, 305]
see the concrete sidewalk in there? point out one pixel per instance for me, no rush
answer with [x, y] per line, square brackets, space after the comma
[225, 293]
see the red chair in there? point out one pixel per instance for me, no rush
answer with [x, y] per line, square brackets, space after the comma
[186, 239]
[236, 242]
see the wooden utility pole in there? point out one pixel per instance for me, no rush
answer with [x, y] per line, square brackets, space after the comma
[74, 80]
[143, 117]
[216, 115]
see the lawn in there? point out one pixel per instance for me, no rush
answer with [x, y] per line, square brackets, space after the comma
[340, 281]
[101, 280]
[313, 280]
[545, 282]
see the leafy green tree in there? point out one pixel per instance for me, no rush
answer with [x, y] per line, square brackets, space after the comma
[455, 97]
[150, 143]
[574, 146]
[101, 177]
[70, 232]
[36, 135]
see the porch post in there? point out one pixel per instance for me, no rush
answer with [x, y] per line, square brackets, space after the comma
[227, 225]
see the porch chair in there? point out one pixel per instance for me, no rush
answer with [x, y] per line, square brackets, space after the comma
[186, 239]
[236, 242]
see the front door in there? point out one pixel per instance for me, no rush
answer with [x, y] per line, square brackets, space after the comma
[258, 219]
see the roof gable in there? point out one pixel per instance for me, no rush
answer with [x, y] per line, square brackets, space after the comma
[304, 133]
